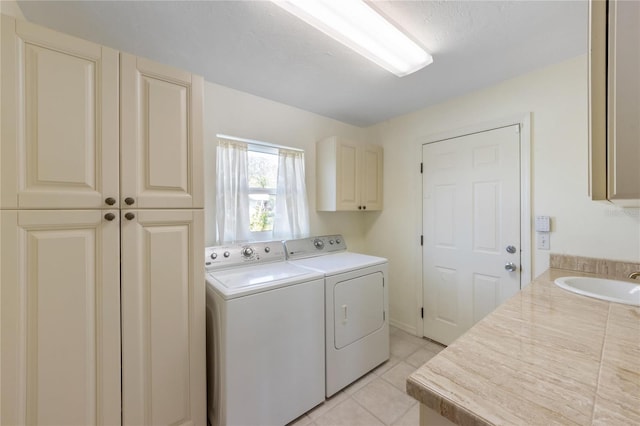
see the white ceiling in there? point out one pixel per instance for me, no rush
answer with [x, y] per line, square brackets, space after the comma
[256, 47]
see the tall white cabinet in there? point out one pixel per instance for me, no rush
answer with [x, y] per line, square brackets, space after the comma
[101, 228]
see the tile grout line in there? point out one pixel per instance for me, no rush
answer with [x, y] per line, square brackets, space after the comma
[604, 344]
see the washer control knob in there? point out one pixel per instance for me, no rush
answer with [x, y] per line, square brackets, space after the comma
[318, 243]
[214, 255]
[267, 249]
[338, 241]
[247, 251]
[227, 254]
[331, 242]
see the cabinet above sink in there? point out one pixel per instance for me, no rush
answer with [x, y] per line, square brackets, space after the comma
[614, 101]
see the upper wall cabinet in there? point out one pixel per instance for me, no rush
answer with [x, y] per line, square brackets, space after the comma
[614, 106]
[161, 131]
[63, 145]
[59, 146]
[349, 175]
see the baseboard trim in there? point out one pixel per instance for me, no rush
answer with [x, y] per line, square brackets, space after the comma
[404, 327]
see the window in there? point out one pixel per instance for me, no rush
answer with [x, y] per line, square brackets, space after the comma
[262, 164]
[260, 191]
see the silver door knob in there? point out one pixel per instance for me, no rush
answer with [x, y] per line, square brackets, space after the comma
[511, 249]
[510, 266]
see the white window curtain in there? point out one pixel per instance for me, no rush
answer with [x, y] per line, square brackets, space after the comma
[291, 212]
[232, 195]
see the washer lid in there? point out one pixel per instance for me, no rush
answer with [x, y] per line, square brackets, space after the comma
[339, 262]
[236, 282]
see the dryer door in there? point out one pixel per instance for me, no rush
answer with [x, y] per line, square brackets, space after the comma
[358, 308]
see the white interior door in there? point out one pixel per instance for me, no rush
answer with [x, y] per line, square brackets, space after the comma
[471, 225]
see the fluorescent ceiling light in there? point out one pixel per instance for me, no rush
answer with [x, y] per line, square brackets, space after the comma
[357, 26]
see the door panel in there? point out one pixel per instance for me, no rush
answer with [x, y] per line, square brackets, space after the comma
[163, 349]
[486, 217]
[60, 318]
[447, 296]
[161, 135]
[60, 120]
[471, 212]
[486, 295]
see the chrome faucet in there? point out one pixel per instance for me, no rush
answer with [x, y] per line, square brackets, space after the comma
[634, 275]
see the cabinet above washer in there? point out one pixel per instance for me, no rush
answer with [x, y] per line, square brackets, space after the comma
[348, 175]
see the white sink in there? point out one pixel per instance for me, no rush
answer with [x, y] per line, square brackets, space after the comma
[601, 288]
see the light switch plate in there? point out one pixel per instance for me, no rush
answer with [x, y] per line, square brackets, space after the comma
[543, 241]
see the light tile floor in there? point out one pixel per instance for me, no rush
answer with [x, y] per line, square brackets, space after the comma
[379, 398]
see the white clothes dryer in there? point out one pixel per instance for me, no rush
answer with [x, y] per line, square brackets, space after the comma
[265, 336]
[356, 306]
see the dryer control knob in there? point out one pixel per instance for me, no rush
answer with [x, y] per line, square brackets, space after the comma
[267, 249]
[214, 255]
[227, 254]
[247, 251]
[331, 242]
[318, 243]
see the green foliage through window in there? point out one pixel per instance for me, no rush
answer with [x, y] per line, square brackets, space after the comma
[263, 175]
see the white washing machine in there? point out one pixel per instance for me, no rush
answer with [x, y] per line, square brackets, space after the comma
[265, 336]
[356, 306]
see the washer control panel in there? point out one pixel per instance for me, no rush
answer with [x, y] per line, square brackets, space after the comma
[229, 256]
[314, 246]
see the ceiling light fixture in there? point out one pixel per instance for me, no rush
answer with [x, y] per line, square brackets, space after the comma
[356, 25]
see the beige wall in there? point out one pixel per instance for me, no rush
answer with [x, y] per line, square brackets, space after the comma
[235, 113]
[557, 98]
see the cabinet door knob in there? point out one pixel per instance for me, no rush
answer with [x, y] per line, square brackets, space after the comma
[109, 216]
[110, 201]
[364, 207]
[359, 207]
[128, 201]
[129, 216]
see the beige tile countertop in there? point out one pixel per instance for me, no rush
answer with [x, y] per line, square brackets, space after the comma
[546, 356]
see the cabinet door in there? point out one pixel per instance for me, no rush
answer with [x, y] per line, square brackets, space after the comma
[163, 318]
[59, 135]
[372, 163]
[161, 110]
[348, 175]
[623, 151]
[60, 318]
